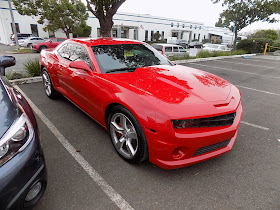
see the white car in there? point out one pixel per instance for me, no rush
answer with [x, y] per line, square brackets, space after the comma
[29, 41]
[215, 47]
[170, 49]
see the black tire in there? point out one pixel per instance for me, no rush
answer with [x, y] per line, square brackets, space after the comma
[42, 48]
[142, 153]
[48, 86]
[29, 45]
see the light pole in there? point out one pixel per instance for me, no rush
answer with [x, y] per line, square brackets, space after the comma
[13, 24]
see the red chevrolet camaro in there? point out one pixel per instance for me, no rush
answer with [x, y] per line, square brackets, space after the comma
[172, 115]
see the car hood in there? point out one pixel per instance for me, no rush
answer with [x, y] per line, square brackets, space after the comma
[8, 110]
[175, 84]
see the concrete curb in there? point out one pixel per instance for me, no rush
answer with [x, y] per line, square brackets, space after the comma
[25, 80]
[39, 79]
[212, 58]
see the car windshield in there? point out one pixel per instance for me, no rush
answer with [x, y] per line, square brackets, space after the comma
[127, 57]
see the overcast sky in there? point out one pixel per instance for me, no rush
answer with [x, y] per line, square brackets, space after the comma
[194, 10]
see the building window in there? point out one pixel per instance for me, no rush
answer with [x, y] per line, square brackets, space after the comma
[195, 27]
[183, 25]
[17, 27]
[171, 24]
[204, 37]
[198, 37]
[190, 26]
[199, 27]
[146, 35]
[152, 35]
[162, 35]
[34, 30]
[194, 36]
[178, 25]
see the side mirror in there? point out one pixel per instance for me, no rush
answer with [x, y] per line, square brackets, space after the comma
[80, 65]
[6, 61]
[50, 41]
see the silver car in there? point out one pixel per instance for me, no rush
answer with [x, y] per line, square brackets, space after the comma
[29, 41]
[170, 49]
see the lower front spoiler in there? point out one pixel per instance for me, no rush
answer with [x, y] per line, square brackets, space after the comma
[174, 164]
[18, 202]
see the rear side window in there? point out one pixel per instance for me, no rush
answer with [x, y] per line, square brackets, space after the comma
[60, 40]
[168, 49]
[158, 47]
[175, 49]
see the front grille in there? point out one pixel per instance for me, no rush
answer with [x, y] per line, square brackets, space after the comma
[222, 120]
[211, 148]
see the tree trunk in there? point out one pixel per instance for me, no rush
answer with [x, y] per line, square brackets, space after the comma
[67, 34]
[106, 24]
[235, 40]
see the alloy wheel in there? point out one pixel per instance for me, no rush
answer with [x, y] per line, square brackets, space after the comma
[124, 135]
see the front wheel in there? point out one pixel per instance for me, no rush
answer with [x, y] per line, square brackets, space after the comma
[42, 48]
[48, 86]
[127, 135]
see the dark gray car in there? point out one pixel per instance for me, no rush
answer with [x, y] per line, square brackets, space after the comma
[23, 177]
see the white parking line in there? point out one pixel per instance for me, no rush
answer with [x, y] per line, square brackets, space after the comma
[262, 91]
[247, 64]
[256, 126]
[111, 193]
[244, 72]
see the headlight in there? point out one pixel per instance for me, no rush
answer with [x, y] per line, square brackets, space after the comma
[16, 138]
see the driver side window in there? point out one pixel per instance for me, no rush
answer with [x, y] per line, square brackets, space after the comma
[74, 52]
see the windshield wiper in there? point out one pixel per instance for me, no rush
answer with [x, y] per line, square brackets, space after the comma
[130, 69]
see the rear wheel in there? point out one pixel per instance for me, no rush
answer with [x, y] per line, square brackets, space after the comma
[127, 135]
[29, 45]
[47, 84]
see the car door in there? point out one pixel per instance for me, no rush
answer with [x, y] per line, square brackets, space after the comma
[176, 51]
[53, 43]
[79, 83]
[168, 51]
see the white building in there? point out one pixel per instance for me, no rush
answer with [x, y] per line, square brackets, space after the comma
[126, 25]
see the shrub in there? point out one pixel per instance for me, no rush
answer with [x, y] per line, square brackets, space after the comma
[256, 45]
[33, 67]
[14, 75]
[174, 58]
[204, 54]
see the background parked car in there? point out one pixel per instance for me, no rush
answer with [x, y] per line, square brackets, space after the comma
[23, 177]
[170, 49]
[49, 44]
[215, 47]
[195, 45]
[30, 40]
[20, 36]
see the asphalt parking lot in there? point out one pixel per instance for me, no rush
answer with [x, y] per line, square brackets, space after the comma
[85, 172]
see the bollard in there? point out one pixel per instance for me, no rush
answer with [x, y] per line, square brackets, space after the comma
[265, 49]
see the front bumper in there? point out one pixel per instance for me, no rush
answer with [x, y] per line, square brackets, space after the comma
[19, 174]
[179, 150]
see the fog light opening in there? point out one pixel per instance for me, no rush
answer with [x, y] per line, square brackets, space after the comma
[34, 191]
[178, 153]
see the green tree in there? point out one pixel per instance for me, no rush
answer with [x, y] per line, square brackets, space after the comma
[67, 15]
[268, 34]
[241, 13]
[157, 36]
[104, 10]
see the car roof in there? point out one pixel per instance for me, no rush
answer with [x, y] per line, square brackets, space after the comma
[103, 41]
[167, 45]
